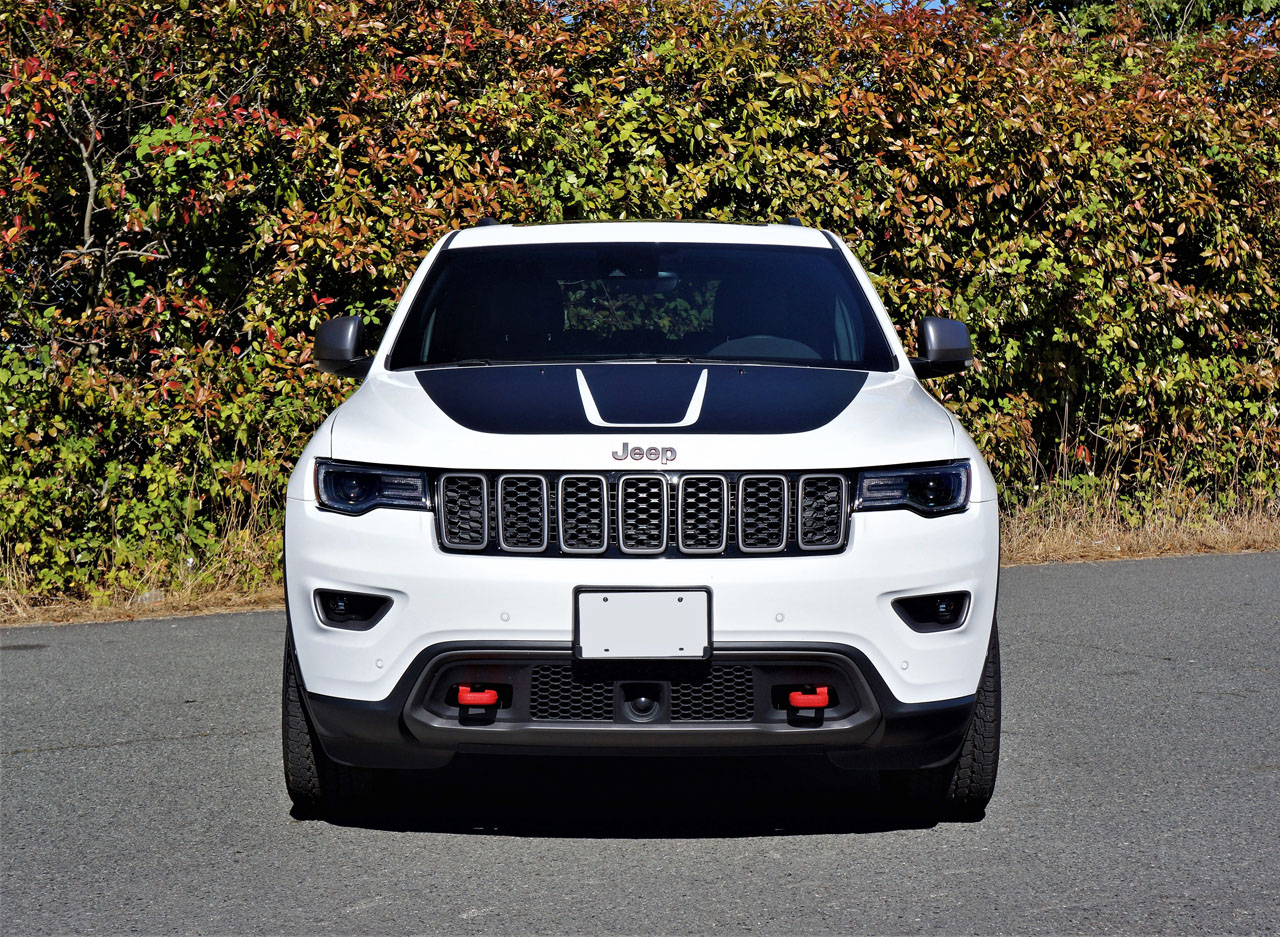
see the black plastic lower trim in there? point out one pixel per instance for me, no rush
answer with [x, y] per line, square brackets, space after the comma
[414, 728]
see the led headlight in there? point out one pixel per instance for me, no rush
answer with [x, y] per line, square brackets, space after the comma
[355, 489]
[928, 489]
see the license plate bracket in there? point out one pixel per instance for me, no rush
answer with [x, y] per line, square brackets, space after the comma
[629, 623]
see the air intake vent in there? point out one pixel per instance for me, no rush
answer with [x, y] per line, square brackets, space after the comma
[728, 695]
[554, 694]
[464, 511]
[642, 513]
[821, 512]
[762, 513]
[704, 511]
[583, 514]
[522, 513]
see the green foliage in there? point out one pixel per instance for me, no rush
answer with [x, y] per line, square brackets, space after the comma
[185, 191]
[1167, 19]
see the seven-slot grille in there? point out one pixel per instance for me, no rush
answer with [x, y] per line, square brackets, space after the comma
[643, 514]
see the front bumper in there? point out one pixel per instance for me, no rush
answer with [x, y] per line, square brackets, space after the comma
[420, 723]
[842, 599]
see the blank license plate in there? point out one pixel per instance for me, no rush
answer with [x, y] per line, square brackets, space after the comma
[624, 624]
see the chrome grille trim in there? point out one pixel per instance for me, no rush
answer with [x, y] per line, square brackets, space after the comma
[627, 543]
[602, 500]
[450, 513]
[842, 512]
[683, 510]
[504, 539]
[785, 500]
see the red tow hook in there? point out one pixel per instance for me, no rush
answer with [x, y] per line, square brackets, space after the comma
[470, 697]
[819, 699]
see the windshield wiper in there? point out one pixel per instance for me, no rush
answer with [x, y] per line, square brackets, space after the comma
[646, 356]
[675, 359]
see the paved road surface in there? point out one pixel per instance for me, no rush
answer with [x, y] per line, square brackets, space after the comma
[1139, 792]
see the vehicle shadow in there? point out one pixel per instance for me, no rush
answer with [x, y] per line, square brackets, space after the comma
[633, 798]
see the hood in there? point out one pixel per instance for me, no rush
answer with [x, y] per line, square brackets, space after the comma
[582, 416]
[676, 398]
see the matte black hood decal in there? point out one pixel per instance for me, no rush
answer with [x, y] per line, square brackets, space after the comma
[546, 399]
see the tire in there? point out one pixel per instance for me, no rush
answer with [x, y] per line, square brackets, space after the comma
[301, 770]
[960, 789]
[972, 779]
[317, 785]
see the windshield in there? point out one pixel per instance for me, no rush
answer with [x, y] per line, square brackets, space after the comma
[609, 301]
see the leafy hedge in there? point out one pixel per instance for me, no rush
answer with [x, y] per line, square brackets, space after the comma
[186, 190]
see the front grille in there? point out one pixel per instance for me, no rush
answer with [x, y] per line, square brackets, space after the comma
[704, 511]
[642, 513]
[733, 514]
[728, 695]
[464, 511]
[762, 513]
[522, 515]
[583, 514]
[821, 513]
[555, 695]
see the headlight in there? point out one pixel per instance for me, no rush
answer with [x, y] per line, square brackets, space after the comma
[929, 490]
[354, 489]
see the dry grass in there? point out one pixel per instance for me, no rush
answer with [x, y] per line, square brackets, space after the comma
[1060, 527]
[17, 610]
[240, 575]
[1060, 534]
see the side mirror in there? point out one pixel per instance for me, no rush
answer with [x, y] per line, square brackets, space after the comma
[945, 348]
[339, 347]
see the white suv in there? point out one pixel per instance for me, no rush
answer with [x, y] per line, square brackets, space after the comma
[642, 487]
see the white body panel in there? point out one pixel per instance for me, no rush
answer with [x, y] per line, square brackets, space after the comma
[892, 421]
[842, 598]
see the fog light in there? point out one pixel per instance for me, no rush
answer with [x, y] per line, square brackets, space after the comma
[947, 610]
[354, 611]
[937, 612]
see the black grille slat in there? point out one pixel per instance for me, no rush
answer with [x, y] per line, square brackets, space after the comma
[555, 695]
[522, 513]
[821, 510]
[582, 514]
[704, 513]
[762, 513]
[464, 514]
[642, 513]
[728, 695]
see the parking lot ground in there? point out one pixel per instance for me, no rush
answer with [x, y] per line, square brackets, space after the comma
[1139, 793]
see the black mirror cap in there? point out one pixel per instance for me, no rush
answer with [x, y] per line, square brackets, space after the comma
[339, 347]
[945, 347]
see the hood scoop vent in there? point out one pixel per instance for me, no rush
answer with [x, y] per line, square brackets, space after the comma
[690, 417]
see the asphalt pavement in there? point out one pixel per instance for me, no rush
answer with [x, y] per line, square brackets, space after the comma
[1139, 792]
